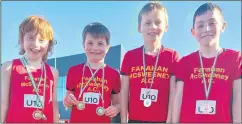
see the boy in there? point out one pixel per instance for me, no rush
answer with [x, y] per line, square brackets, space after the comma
[208, 79]
[93, 87]
[28, 89]
[147, 72]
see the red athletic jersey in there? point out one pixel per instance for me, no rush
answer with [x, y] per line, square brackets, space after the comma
[22, 98]
[111, 85]
[132, 66]
[228, 69]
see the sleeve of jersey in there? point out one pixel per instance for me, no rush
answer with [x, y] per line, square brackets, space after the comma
[175, 59]
[70, 80]
[116, 84]
[125, 68]
[238, 68]
[179, 71]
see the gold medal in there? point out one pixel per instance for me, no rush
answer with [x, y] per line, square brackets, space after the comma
[80, 105]
[100, 111]
[37, 115]
[147, 102]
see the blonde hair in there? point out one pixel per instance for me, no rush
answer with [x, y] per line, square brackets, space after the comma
[152, 5]
[42, 26]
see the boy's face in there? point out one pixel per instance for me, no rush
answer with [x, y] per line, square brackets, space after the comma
[207, 28]
[152, 26]
[95, 48]
[35, 47]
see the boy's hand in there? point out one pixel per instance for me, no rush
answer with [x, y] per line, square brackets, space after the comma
[112, 111]
[70, 100]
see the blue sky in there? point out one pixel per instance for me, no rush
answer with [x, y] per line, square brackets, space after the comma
[69, 18]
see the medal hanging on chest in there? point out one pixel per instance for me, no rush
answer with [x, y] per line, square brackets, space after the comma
[147, 102]
[206, 107]
[81, 104]
[37, 114]
[100, 110]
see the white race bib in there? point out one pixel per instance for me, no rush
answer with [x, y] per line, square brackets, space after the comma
[30, 101]
[91, 98]
[149, 94]
[205, 107]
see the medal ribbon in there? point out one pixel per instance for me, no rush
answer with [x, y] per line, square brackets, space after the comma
[101, 95]
[43, 69]
[153, 73]
[207, 90]
[83, 71]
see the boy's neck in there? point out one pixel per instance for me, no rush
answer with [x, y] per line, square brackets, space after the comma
[95, 65]
[152, 48]
[210, 51]
[34, 63]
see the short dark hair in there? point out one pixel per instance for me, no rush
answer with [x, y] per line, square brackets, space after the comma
[152, 6]
[204, 8]
[96, 29]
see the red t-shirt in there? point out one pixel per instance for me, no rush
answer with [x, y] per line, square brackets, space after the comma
[132, 66]
[111, 86]
[228, 69]
[22, 97]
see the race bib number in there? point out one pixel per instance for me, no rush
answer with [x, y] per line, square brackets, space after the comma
[91, 98]
[32, 101]
[149, 94]
[205, 107]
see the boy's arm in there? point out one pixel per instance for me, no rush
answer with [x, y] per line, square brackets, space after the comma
[5, 88]
[114, 109]
[115, 99]
[236, 105]
[69, 98]
[171, 97]
[177, 101]
[173, 73]
[55, 103]
[124, 98]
